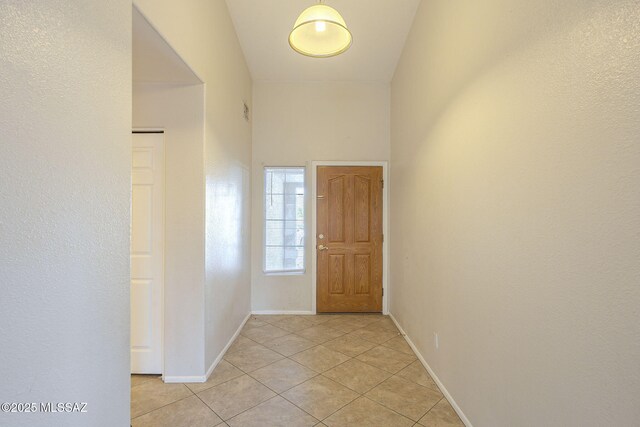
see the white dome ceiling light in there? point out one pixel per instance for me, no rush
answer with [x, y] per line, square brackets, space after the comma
[320, 32]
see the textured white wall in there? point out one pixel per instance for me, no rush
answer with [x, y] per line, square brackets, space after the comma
[202, 33]
[179, 110]
[65, 158]
[294, 124]
[516, 207]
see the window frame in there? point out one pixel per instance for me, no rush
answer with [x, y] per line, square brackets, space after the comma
[289, 272]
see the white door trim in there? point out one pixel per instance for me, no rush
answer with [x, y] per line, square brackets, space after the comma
[162, 131]
[385, 226]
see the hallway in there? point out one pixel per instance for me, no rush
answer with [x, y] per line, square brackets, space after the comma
[325, 370]
[177, 282]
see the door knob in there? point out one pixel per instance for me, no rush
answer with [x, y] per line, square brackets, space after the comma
[323, 248]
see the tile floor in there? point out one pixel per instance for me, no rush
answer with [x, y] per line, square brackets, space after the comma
[327, 370]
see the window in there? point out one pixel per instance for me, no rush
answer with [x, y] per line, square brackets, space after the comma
[284, 220]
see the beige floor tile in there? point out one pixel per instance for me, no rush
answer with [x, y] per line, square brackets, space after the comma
[154, 394]
[405, 397]
[343, 325]
[323, 362]
[264, 334]
[357, 375]
[362, 320]
[241, 343]
[283, 375]
[366, 413]
[320, 358]
[189, 412]
[290, 344]
[387, 359]
[235, 396]
[253, 323]
[293, 323]
[349, 345]
[320, 333]
[377, 336]
[140, 379]
[319, 318]
[399, 344]
[320, 396]
[252, 358]
[270, 318]
[276, 412]
[385, 322]
[224, 372]
[441, 415]
[418, 374]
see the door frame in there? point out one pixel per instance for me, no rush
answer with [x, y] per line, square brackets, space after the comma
[162, 131]
[385, 226]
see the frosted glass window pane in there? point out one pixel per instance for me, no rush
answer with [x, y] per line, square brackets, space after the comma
[294, 233]
[290, 258]
[284, 228]
[274, 258]
[295, 177]
[274, 206]
[276, 182]
[274, 235]
[300, 207]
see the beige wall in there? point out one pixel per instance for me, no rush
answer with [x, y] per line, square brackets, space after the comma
[202, 33]
[294, 124]
[178, 109]
[515, 199]
[65, 191]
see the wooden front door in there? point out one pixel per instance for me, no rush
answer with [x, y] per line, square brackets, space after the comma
[349, 239]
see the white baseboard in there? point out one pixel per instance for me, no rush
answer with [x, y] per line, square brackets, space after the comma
[433, 374]
[226, 347]
[204, 378]
[290, 312]
[178, 379]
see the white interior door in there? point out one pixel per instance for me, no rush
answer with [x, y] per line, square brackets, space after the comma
[147, 252]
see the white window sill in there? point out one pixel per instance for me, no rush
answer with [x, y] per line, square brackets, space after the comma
[285, 273]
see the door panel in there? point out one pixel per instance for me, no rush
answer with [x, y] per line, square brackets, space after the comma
[147, 252]
[336, 197]
[363, 274]
[362, 206]
[349, 253]
[336, 273]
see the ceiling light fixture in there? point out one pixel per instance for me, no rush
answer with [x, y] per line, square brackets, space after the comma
[320, 32]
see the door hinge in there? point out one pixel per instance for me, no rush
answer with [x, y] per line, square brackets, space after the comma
[383, 238]
[382, 183]
[382, 291]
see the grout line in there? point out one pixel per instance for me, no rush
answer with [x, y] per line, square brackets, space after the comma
[151, 378]
[248, 409]
[314, 417]
[320, 419]
[210, 408]
[392, 410]
[415, 421]
[316, 344]
[465, 421]
[163, 406]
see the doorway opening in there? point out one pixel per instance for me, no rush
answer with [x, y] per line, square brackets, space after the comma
[168, 97]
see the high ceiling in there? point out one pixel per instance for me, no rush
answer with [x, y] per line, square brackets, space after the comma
[153, 59]
[379, 29]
